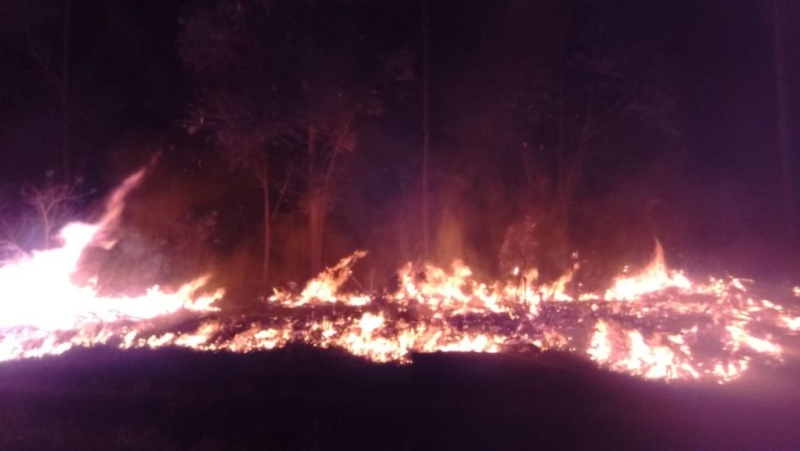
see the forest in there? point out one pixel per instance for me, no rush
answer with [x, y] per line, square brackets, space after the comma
[281, 136]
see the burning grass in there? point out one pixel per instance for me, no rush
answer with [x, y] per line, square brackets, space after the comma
[655, 324]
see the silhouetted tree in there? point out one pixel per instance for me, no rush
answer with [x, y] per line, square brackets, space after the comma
[779, 26]
[240, 105]
[281, 79]
[336, 87]
[557, 107]
[426, 135]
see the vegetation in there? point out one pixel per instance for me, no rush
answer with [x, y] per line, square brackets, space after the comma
[507, 133]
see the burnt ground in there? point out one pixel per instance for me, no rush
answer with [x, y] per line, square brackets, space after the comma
[302, 398]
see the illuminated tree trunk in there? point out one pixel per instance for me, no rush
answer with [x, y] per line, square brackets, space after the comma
[267, 231]
[561, 174]
[64, 96]
[46, 226]
[315, 223]
[316, 205]
[425, 128]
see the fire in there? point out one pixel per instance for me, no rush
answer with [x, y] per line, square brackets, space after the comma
[655, 324]
[654, 278]
[43, 311]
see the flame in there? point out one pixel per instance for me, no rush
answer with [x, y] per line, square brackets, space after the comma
[324, 287]
[43, 311]
[654, 278]
[654, 324]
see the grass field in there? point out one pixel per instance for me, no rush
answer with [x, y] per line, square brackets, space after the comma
[302, 398]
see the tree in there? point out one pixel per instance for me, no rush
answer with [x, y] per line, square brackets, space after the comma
[280, 85]
[334, 90]
[603, 81]
[558, 108]
[37, 58]
[67, 94]
[606, 87]
[239, 107]
[52, 201]
[779, 26]
[426, 136]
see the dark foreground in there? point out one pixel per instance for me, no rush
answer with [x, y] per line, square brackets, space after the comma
[300, 398]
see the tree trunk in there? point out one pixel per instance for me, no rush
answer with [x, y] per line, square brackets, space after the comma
[45, 224]
[64, 96]
[579, 154]
[784, 138]
[315, 224]
[316, 205]
[425, 129]
[562, 126]
[267, 233]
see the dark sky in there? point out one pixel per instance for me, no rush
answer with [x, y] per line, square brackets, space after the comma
[722, 50]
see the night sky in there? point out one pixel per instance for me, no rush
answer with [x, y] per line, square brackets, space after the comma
[555, 127]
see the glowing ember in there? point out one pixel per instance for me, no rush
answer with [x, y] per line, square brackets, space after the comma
[655, 324]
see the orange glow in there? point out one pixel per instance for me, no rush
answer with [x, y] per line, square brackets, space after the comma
[42, 311]
[654, 278]
[655, 324]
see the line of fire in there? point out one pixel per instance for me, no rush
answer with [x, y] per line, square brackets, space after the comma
[609, 181]
[654, 323]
